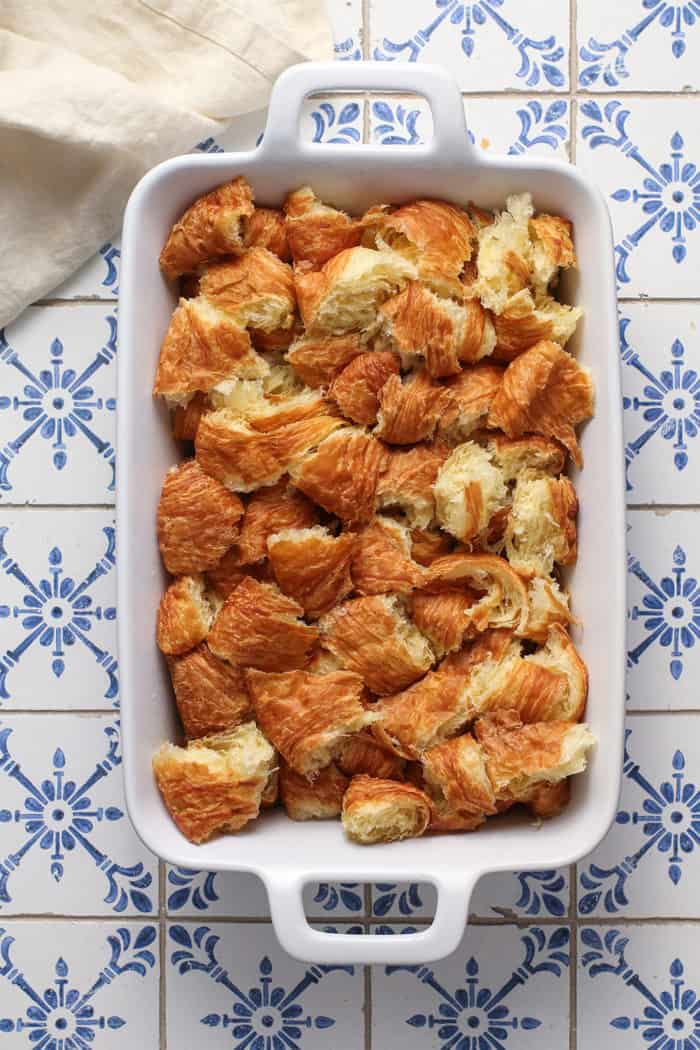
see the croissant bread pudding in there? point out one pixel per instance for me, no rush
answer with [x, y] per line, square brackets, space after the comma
[365, 534]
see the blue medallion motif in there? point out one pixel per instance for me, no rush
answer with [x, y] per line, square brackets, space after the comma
[670, 612]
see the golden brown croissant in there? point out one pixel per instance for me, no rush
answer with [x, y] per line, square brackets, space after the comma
[271, 510]
[319, 359]
[185, 419]
[306, 716]
[315, 231]
[560, 656]
[266, 228]
[360, 753]
[377, 810]
[256, 290]
[356, 389]
[312, 566]
[425, 714]
[318, 799]
[342, 474]
[213, 225]
[546, 392]
[469, 491]
[548, 800]
[227, 574]
[381, 560]
[184, 616]
[469, 399]
[407, 483]
[522, 323]
[513, 456]
[409, 411]
[429, 544]
[444, 618]
[214, 784]
[210, 694]
[503, 596]
[257, 626]
[548, 605]
[197, 519]
[552, 248]
[458, 784]
[373, 637]
[541, 529]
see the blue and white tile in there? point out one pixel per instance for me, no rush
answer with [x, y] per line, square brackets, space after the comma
[488, 45]
[638, 986]
[98, 278]
[68, 985]
[346, 28]
[648, 864]
[638, 45]
[57, 407]
[660, 347]
[57, 610]
[66, 843]
[644, 154]
[501, 982]
[231, 981]
[242, 895]
[663, 613]
[496, 125]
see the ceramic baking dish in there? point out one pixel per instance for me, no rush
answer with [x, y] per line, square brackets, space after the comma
[285, 854]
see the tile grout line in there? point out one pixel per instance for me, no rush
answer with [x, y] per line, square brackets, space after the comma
[573, 958]
[521, 922]
[162, 931]
[367, 1006]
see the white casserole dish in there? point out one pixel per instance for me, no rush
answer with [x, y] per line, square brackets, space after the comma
[285, 854]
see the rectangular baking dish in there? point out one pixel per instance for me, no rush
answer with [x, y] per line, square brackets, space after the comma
[285, 854]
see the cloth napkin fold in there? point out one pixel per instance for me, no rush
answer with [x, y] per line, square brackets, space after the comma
[94, 94]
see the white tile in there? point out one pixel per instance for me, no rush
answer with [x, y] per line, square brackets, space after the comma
[57, 609]
[98, 278]
[63, 985]
[491, 45]
[637, 986]
[346, 27]
[643, 153]
[660, 346]
[234, 980]
[57, 406]
[66, 843]
[496, 125]
[649, 862]
[633, 46]
[501, 982]
[663, 562]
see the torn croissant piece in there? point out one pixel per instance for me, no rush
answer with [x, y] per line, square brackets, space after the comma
[377, 810]
[444, 332]
[548, 605]
[214, 784]
[514, 456]
[373, 637]
[257, 626]
[544, 391]
[276, 341]
[468, 401]
[243, 458]
[456, 780]
[266, 228]
[346, 294]
[214, 225]
[549, 800]
[271, 793]
[503, 595]
[552, 249]
[227, 573]
[186, 417]
[560, 656]
[521, 324]
[428, 545]
[267, 412]
[435, 236]
[444, 618]
[271, 510]
[469, 490]
[504, 259]
[316, 231]
[307, 716]
[210, 694]
[541, 529]
[424, 715]
[184, 616]
[381, 560]
[407, 484]
[197, 519]
[521, 758]
[312, 566]
[202, 347]
[410, 409]
[319, 359]
[342, 474]
[361, 753]
[356, 389]
[256, 290]
[318, 799]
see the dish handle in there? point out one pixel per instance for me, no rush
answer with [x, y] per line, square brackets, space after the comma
[302, 941]
[281, 136]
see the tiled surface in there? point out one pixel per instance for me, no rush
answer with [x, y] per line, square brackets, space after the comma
[86, 914]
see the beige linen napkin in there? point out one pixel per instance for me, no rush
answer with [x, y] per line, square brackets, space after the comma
[93, 94]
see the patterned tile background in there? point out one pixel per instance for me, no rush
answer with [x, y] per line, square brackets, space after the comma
[100, 945]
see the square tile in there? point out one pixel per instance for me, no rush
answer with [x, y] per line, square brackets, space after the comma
[648, 864]
[57, 408]
[660, 347]
[643, 154]
[345, 18]
[636, 46]
[496, 125]
[663, 612]
[233, 979]
[63, 985]
[637, 986]
[493, 45]
[501, 981]
[66, 842]
[57, 609]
